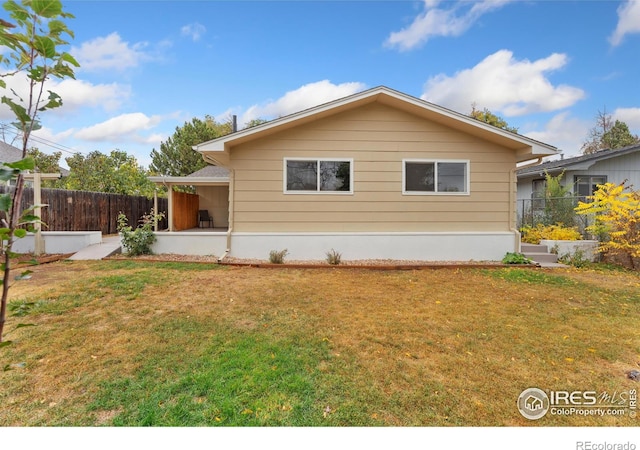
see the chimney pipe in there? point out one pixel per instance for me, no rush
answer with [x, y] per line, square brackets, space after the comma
[234, 123]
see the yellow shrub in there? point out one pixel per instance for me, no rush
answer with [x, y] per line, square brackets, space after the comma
[558, 232]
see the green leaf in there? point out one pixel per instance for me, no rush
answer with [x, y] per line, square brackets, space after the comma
[6, 174]
[4, 344]
[5, 202]
[20, 233]
[66, 57]
[23, 325]
[29, 218]
[45, 46]
[47, 8]
[18, 110]
[27, 163]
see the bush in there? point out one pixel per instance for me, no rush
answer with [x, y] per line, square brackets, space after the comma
[575, 260]
[334, 257]
[138, 242]
[558, 232]
[277, 257]
[515, 258]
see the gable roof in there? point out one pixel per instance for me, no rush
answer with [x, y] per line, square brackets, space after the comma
[216, 151]
[582, 162]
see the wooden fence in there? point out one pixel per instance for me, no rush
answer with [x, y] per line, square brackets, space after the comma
[185, 210]
[89, 211]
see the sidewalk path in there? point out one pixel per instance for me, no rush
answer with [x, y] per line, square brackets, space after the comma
[108, 247]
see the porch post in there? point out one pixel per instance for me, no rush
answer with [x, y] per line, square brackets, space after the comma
[170, 207]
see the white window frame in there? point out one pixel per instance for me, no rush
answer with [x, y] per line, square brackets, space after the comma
[435, 162]
[317, 191]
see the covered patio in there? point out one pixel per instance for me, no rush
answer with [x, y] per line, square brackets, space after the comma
[186, 233]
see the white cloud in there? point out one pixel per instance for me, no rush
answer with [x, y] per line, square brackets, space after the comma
[75, 94]
[630, 116]
[628, 21]
[304, 97]
[194, 30]
[109, 53]
[119, 129]
[78, 93]
[434, 21]
[564, 132]
[504, 84]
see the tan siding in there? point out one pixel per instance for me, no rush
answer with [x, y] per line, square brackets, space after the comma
[377, 138]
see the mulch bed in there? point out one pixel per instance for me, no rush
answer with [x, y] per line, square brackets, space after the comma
[376, 264]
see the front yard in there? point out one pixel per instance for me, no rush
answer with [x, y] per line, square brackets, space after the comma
[131, 343]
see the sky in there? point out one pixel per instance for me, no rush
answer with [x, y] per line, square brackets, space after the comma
[146, 67]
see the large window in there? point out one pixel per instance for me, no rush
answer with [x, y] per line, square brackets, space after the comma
[435, 177]
[318, 176]
[585, 185]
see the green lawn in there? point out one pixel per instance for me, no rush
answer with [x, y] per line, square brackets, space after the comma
[132, 343]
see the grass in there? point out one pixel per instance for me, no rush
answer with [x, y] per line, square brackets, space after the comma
[131, 343]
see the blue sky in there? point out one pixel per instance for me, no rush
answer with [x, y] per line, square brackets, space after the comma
[147, 67]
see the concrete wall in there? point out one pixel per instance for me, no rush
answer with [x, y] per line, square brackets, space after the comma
[422, 246]
[190, 243]
[59, 241]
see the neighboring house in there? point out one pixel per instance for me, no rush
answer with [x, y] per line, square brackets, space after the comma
[9, 153]
[583, 173]
[378, 174]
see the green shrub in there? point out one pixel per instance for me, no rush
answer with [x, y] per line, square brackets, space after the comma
[557, 232]
[334, 258]
[277, 257]
[138, 241]
[577, 259]
[515, 258]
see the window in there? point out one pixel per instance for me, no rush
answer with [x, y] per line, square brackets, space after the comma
[318, 176]
[538, 193]
[585, 185]
[435, 177]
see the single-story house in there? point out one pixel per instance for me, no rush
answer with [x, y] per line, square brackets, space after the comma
[375, 175]
[583, 173]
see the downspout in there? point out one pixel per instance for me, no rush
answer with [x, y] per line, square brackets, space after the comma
[513, 179]
[232, 189]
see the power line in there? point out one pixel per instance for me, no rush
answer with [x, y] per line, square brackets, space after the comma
[18, 133]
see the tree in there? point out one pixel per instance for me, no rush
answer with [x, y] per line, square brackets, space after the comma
[488, 117]
[117, 173]
[32, 38]
[176, 156]
[45, 162]
[616, 209]
[608, 135]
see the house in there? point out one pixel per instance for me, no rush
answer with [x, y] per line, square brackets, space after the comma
[582, 174]
[376, 175]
